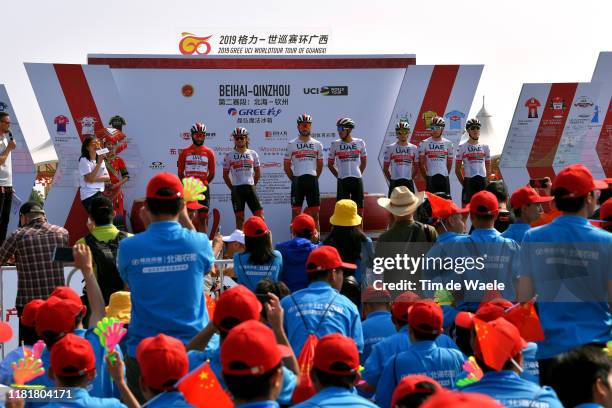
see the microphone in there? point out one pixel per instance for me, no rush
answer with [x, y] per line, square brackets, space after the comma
[10, 135]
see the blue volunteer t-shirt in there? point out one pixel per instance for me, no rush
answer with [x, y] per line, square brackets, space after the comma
[376, 327]
[568, 262]
[164, 268]
[341, 317]
[389, 347]
[174, 399]
[516, 231]
[197, 358]
[424, 358]
[81, 399]
[250, 274]
[295, 253]
[335, 397]
[513, 391]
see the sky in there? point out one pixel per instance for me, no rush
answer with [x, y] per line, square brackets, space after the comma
[517, 41]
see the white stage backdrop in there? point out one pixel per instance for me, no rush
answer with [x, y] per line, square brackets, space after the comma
[603, 124]
[24, 172]
[551, 124]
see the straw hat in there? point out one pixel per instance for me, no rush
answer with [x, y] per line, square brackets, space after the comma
[345, 214]
[402, 201]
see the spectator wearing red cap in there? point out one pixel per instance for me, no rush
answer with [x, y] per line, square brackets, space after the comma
[413, 390]
[235, 306]
[259, 260]
[252, 365]
[582, 378]
[424, 356]
[295, 251]
[396, 343]
[581, 314]
[451, 399]
[320, 309]
[73, 364]
[605, 195]
[377, 325]
[605, 215]
[164, 268]
[527, 208]
[505, 218]
[334, 372]
[505, 384]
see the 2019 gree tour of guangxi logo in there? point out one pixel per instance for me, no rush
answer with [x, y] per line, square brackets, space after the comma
[191, 44]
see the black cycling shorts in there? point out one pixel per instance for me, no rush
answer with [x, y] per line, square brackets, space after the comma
[350, 188]
[472, 185]
[438, 184]
[245, 194]
[401, 182]
[305, 187]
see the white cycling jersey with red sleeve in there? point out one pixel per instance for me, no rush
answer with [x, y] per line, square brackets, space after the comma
[241, 166]
[304, 156]
[400, 160]
[475, 158]
[436, 154]
[347, 157]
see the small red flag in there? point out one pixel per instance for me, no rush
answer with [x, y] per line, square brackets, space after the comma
[526, 320]
[201, 386]
[210, 305]
[495, 347]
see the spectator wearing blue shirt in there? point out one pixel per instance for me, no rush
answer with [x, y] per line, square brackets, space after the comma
[582, 378]
[567, 264]
[258, 261]
[424, 356]
[235, 306]
[378, 324]
[252, 365]
[503, 382]
[413, 390]
[295, 252]
[164, 268]
[73, 364]
[334, 371]
[526, 205]
[320, 309]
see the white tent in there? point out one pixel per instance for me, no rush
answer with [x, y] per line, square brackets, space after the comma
[487, 131]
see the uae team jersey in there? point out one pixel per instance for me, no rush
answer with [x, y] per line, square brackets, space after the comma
[304, 156]
[474, 157]
[400, 159]
[436, 153]
[347, 157]
[241, 166]
[196, 161]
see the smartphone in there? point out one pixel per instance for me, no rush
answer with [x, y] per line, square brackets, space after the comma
[11, 135]
[539, 182]
[263, 297]
[63, 254]
[102, 151]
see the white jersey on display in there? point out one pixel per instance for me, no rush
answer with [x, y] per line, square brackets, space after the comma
[347, 157]
[436, 153]
[400, 160]
[304, 156]
[241, 166]
[474, 157]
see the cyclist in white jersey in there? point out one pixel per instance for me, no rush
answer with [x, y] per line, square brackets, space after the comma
[436, 158]
[243, 165]
[303, 165]
[400, 160]
[347, 160]
[472, 162]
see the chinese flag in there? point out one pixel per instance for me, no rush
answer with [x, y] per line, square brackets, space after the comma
[526, 320]
[495, 347]
[210, 306]
[201, 386]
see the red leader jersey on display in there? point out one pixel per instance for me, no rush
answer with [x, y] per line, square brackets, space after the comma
[117, 171]
[196, 161]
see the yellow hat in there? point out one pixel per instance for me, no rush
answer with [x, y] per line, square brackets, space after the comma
[120, 306]
[345, 214]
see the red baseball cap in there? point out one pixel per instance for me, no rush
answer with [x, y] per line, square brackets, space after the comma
[67, 293]
[372, 295]
[487, 311]
[72, 356]
[325, 258]
[334, 352]
[255, 227]
[442, 208]
[194, 205]
[464, 320]
[578, 180]
[527, 195]
[509, 331]
[57, 315]
[413, 384]
[426, 316]
[453, 399]
[239, 303]
[162, 360]
[303, 223]
[401, 304]
[484, 203]
[165, 180]
[605, 211]
[251, 349]
[28, 317]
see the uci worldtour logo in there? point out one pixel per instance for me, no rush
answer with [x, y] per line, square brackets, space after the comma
[272, 112]
[327, 91]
